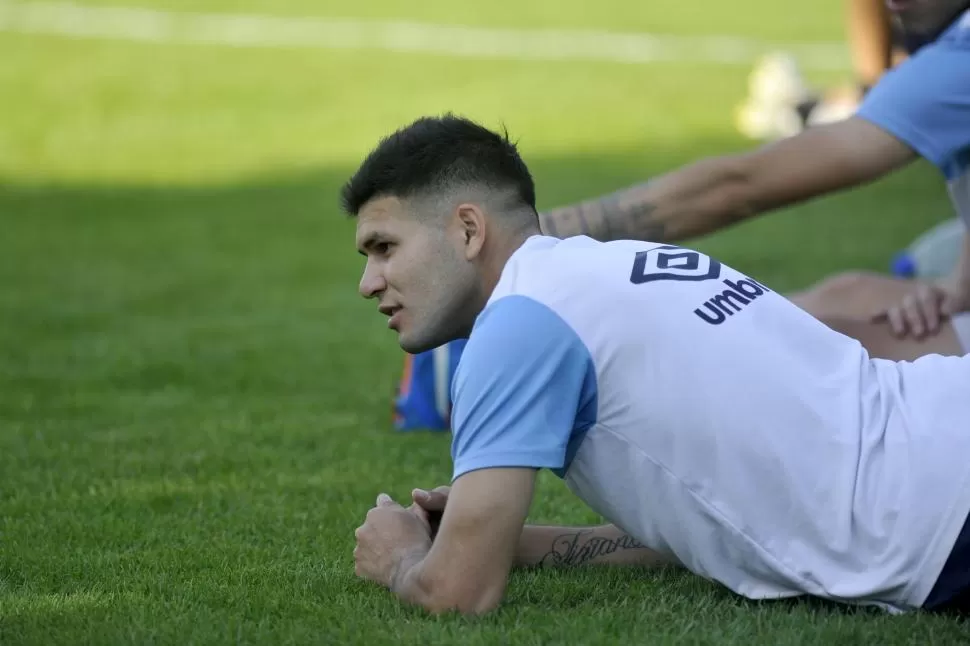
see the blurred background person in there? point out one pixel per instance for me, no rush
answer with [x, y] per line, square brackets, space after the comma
[780, 103]
[920, 109]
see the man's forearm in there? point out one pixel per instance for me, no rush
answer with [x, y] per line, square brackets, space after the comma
[539, 545]
[713, 193]
[413, 583]
[570, 546]
[407, 581]
[687, 202]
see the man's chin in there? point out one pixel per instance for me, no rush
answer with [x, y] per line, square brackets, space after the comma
[413, 345]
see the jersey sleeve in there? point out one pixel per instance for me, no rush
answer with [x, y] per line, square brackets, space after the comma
[524, 393]
[925, 102]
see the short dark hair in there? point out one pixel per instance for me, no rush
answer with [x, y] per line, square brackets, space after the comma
[435, 153]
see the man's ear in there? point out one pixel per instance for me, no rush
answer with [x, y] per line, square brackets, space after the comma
[472, 225]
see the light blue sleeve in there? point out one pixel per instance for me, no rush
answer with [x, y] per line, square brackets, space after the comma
[925, 102]
[525, 390]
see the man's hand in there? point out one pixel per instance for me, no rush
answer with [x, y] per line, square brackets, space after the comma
[467, 567]
[920, 313]
[429, 506]
[390, 538]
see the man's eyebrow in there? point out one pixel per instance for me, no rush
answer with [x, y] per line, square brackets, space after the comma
[368, 241]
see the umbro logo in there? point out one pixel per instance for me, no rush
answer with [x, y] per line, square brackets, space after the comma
[669, 262]
[732, 300]
[672, 263]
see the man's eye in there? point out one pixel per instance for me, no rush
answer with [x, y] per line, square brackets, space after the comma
[382, 248]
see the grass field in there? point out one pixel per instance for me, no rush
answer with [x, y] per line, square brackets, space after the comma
[194, 401]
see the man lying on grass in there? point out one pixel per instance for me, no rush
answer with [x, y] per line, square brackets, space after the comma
[718, 424]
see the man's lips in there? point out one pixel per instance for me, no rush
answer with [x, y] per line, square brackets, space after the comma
[392, 312]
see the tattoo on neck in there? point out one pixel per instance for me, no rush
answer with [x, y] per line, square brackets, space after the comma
[569, 550]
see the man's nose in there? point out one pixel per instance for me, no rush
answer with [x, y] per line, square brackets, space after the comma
[371, 283]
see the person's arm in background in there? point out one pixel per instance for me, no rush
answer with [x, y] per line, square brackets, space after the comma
[926, 103]
[922, 311]
[869, 33]
[713, 193]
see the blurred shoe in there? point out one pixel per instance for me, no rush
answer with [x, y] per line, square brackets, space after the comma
[830, 111]
[775, 90]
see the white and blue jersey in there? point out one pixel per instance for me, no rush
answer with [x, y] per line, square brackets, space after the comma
[925, 102]
[717, 422]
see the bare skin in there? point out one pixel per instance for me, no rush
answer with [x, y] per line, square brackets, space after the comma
[558, 546]
[870, 38]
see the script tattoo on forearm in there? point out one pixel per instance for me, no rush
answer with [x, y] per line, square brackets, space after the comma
[569, 549]
[623, 215]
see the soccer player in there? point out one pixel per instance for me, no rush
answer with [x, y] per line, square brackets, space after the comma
[921, 108]
[712, 422]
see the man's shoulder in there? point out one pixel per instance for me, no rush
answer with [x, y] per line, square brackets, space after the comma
[612, 292]
[548, 290]
[539, 251]
[518, 340]
[555, 271]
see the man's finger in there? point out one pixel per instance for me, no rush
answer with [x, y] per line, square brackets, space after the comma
[930, 303]
[908, 315]
[383, 500]
[915, 319]
[947, 306]
[932, 315]
[896, 324]
[421, 513]
[430, 500]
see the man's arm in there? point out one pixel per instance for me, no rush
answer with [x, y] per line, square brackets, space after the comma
[482, 538]
[870, 39]
[553, 545]
[522, 390]
[547, 545]
[713, 193]
[467, 566]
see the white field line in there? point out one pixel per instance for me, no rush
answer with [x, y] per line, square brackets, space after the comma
[251, 30]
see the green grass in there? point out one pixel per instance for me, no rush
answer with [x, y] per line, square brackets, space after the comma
[195, 403]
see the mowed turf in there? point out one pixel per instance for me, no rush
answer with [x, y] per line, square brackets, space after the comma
[195, 402]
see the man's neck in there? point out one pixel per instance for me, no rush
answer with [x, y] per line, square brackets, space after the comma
[494, 264]
[500, 258]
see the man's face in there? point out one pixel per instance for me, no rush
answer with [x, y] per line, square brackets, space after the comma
[416, 270]
[925, 18]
